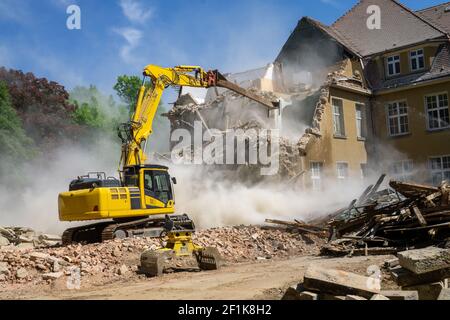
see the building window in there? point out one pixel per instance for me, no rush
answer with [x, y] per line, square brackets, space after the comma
[393, 65]
[316, 175]
[360, 121]
[417, 60]
[440, 169]
[338, 117]
[402, 170]
[342, 170]
[364, 170]
[437, 111]
[397, 118]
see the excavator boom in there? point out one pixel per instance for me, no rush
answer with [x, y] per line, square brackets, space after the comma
[140, 128]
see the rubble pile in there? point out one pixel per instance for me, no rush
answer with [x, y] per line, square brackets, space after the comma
[118, 258]
[380, 222]
[26, 238]
[249, 243]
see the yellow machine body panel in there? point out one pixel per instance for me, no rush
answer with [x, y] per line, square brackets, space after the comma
[106, 203]
[153, 197]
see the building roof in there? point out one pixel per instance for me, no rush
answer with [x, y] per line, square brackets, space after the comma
[439, 69]
[335, 34]
[399, 27]
[438, 15]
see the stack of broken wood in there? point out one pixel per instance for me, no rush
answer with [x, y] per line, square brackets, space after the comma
[383, 222]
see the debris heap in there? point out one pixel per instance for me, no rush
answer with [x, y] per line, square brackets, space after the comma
[380, 222]
[119, 258]
[26, 238]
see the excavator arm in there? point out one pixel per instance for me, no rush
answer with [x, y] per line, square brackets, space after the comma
[135, 134]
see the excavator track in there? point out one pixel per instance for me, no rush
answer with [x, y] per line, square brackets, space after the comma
[151, 227]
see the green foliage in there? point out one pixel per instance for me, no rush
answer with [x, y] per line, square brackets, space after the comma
[127, 88]
[15, 146]
[95, 110]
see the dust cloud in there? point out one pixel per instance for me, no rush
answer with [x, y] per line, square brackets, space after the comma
[33, 202]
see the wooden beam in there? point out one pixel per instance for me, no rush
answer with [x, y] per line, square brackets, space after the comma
[419, 216]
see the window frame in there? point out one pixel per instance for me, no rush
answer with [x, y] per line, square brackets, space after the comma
[417, 56]
[404, 175]
[316, 179]
[339, 177]
[341, 115]
[441, 170]
[427, 116]
[398, 116]
[363, 130]
[393, 63]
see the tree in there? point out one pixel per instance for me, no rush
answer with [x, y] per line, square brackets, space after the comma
[44, 108]
[15, 146]
[127, 88]
[96, 110]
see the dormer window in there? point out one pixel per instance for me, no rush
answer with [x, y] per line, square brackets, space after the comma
[417, 60]
[393, 65]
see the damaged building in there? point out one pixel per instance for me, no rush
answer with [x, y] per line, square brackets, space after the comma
[353, 99]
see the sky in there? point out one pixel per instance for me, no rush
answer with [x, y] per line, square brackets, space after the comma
[122, 36]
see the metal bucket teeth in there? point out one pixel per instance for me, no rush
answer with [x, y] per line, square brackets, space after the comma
[209, 259]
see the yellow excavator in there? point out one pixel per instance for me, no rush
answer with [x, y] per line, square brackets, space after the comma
[141, 202]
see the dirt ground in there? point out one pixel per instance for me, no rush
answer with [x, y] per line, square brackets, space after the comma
[237, 281]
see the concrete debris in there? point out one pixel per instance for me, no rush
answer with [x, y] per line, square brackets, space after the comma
[444, 295]
[430, 291]
[425, 260]
[330, 284]
[118, 257]
[21, 238]
[424, 271]
[52, 275]
[340, 283]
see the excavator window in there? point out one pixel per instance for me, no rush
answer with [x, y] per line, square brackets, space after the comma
[157, 185]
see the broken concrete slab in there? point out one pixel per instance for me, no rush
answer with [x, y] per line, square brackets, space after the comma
[444, 295]
[52, 275]
[353, 297]
[425, 260]
[4, 241]
[400, 294]
[404, 277]
[338, 282]
[391, 263]
[4, 268]
[38, 256]
[379, 297]
[21, 273]
[429, 291]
